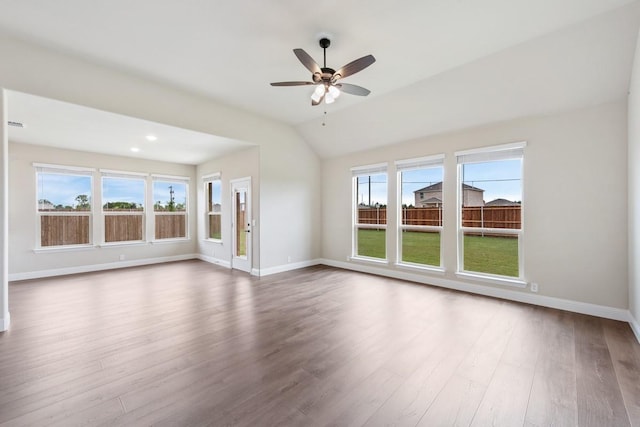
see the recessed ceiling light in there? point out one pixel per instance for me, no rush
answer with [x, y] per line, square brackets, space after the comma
[151, 138]
[135, 149]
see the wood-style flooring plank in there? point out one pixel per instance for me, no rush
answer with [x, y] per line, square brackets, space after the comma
[600, 401]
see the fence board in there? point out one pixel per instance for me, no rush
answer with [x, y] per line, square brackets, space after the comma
[123, 228]
[64, 230]
[171, 226]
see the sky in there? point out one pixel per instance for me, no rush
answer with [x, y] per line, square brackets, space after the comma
[62, 189]
[499, 179]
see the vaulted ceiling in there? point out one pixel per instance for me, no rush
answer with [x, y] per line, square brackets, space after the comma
[441, 64]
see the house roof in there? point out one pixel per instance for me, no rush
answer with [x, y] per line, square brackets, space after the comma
[502, 202]
[438, 187]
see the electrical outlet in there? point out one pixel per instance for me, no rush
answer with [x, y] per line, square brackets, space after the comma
[289, 258]
[122, 257]
[534, 287]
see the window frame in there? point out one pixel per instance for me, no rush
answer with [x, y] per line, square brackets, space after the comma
[420, 163]
[106, 173]
[511, 151]
[64, 170]
[209, 180]
[171, 179]
[356, 172]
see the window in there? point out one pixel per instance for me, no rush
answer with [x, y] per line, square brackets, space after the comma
[490, 228]
[370, 211]
[123, 199]
[64, 206]
[420, 204]
[170, 207]
[213, 194]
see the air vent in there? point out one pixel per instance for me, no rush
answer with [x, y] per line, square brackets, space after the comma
[15, 124]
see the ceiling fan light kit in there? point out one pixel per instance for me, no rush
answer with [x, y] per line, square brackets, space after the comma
[327, 79]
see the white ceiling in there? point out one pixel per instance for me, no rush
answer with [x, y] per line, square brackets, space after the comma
[441, 64]
[60, 124]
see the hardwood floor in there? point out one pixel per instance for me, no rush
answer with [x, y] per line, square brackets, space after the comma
[192, 344]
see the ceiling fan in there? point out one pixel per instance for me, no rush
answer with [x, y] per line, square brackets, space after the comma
[327, 79]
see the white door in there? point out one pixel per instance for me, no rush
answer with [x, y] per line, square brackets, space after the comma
[241, 224]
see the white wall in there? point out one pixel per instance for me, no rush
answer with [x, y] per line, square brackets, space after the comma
[634, 193]
[237, 165]
[24, 262]
[575, 193]
[291, 203]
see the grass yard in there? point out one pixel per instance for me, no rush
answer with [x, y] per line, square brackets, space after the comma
[488, 254]
[421, 248]
[493, 255]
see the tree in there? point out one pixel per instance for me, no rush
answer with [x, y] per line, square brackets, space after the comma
[83, 202]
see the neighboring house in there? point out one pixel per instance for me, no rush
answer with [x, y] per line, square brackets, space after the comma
[431, 196]
[45, 205]
[502, 202]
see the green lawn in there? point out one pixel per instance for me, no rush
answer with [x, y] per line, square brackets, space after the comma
[493, 255]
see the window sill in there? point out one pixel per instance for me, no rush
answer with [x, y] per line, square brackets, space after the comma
[496, 280]
[64, 248]
[369, 260]
[166, 241]
[130, 243]
[420, 268]
[218, 241]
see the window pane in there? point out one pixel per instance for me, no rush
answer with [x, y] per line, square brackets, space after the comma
[170, 226]
[63, 192]
[421, 247]
[215, 196]
[492, 194]
[119, 197]
[122, 194]
[372, 243]
[214, 227]
[58, 230]
[169, 196]
[123, 228]
[491, 254]
[214, 208]
[422, 204]
[372, 199]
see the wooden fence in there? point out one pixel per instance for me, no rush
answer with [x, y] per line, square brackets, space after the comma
[58, 230]
[122, 228]
[474, 216]
[171, 226]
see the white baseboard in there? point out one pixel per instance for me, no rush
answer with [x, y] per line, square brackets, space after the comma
[216, 261]
[5, 322]
[635, 326]
[529, 298]
[97, 267]
[285, 267]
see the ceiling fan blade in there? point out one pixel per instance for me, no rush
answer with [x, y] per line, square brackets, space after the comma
[307, 61]
[353, 89]
[292, 83]
[355, 66]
